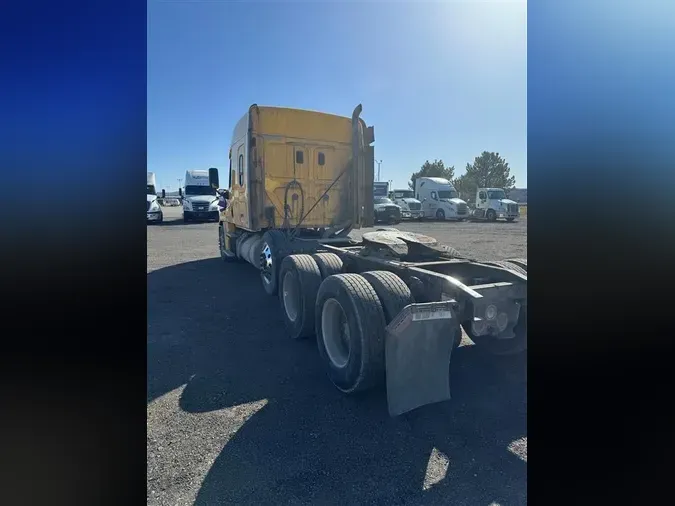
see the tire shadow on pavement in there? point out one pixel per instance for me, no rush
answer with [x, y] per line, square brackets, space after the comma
[212, 329]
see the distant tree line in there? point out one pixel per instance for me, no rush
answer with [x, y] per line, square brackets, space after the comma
[489, 170]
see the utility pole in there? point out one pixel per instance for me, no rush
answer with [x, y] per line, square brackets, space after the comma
[378, 168]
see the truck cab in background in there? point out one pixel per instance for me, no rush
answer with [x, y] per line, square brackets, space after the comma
[153, 210]
[411, 208]
[440, 199]
[491, 204]
[200, 201]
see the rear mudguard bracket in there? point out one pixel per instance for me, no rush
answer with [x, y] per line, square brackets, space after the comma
[418, 346]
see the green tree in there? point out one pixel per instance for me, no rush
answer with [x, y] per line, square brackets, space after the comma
[432, 169]
[466, 190]
[489, 170]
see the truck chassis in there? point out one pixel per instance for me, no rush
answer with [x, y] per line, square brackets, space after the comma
[388, 309]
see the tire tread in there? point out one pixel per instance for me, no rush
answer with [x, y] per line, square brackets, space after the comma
[520, 262]
[505, 264]
[393, 293]
[328, 263]
[309, 279]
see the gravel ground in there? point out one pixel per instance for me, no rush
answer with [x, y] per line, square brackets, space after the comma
[240, 414]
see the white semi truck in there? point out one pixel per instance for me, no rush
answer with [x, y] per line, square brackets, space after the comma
[153, 210]
[491, 204]
[440, 199]
[200, 201]
[411, 208]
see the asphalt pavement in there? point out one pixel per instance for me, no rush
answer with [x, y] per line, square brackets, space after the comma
[238, 413]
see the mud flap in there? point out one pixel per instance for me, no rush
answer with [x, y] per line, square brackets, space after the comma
[418, 346]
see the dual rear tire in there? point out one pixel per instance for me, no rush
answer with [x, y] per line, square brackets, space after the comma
[351, 347]
[348, 314]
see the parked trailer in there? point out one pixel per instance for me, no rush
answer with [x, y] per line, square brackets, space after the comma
[385, 310]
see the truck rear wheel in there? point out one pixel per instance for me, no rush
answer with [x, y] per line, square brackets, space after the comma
[496, 346]
[329, 264]
[350, 325]
[393, 293]
[300, 279]
[271, 255]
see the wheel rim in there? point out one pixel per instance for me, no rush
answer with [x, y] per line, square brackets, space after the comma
[266, 264]
[335, 333]
[440, 214]
[291, 296]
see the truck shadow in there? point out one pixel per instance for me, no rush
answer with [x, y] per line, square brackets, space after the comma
[212, 329]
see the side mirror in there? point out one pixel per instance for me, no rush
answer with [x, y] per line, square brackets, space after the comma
[180, 192]
[163, 193]
[213, 178]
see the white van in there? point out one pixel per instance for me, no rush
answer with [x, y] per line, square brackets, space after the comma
[439, 199]
[200, 201]
[153, 211]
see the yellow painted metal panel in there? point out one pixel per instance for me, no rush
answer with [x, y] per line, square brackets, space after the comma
[302, 153]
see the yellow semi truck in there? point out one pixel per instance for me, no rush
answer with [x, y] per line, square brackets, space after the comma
[387, 309]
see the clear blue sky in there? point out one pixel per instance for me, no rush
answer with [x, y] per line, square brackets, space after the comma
[437, 80]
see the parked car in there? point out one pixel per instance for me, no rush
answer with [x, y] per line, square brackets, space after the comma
[386, 211]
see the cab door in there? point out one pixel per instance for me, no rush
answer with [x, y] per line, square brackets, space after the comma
[432, 203]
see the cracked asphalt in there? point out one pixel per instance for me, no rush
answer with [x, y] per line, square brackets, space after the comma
[237, 413]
